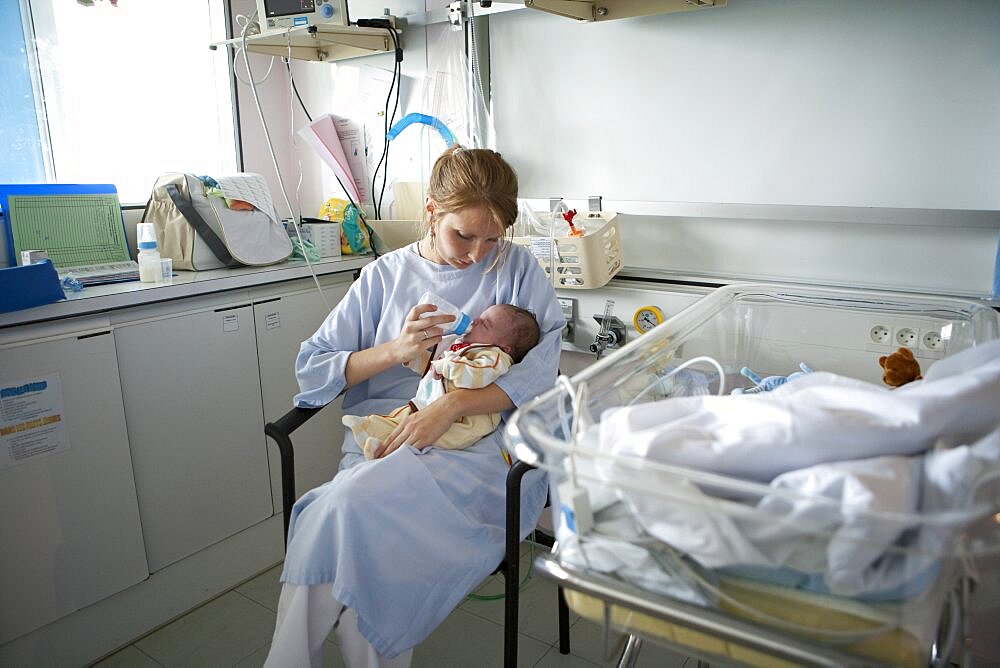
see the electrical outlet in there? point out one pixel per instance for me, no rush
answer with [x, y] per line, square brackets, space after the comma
[931, 340]
[924, 338]
[906, 336]
[879, 335]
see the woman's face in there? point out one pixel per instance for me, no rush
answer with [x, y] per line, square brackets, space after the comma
[462, 238]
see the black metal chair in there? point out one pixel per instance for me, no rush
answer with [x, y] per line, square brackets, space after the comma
[281, 431]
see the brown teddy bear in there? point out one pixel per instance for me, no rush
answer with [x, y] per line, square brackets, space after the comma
[899, 368]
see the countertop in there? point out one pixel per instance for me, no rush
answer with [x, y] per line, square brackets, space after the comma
[100, 298]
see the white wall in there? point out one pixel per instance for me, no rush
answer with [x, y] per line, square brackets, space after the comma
[893, 103]
[855, 104]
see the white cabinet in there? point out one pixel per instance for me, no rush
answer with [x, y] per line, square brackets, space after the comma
[69, 525]
[195, 425]
[283, 322]
[163, 497]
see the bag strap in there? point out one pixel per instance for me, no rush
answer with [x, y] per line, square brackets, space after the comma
[145, 211]
[206, 233]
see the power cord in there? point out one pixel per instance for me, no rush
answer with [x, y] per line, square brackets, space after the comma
[520, 585]
[395, 108]
[388, 121]
[247, 25]
[295, 89]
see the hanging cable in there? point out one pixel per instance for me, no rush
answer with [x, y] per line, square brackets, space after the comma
[396, 74]
[274, 159]
[292, 94]
[246, 24]
[395, 109]
[295, 88]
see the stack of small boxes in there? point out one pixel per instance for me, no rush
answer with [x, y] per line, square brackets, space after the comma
[324, 236]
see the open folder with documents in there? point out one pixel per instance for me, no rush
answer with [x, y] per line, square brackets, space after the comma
[79, 227]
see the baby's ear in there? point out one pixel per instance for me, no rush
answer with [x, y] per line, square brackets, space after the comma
[506, 349]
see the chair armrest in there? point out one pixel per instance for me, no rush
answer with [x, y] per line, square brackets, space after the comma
[281, 432]
[291, 420]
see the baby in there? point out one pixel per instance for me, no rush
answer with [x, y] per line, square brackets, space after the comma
[499, 338]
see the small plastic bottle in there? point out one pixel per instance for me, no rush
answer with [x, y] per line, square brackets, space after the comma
[150, 270]
[459, 326]
[462, 321]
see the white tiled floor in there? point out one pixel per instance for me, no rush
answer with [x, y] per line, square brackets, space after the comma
[235, 630]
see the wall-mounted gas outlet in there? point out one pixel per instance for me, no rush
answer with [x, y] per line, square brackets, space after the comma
[611, 337]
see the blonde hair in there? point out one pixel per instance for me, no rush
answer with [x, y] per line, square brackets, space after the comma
[467, 178]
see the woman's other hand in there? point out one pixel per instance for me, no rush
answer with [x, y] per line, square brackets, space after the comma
[419, 333]
[419, 429]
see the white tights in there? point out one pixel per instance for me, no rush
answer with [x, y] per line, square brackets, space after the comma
[306, 615]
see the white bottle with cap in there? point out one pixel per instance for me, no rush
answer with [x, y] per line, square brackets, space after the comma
[460, 325]
[149, 256]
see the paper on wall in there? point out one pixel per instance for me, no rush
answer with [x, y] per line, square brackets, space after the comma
[323, 137]
[352, 140]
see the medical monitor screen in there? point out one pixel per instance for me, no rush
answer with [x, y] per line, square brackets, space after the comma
[285, 7]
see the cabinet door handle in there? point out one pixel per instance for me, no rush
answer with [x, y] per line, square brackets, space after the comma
[92, 335]
[231, 308]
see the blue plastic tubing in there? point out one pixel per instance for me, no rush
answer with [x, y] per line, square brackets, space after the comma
[410, 119]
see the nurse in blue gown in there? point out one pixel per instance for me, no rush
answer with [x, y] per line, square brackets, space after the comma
[388, 548]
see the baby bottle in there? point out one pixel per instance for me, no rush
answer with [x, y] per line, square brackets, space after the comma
[460, 325]
[149, 257]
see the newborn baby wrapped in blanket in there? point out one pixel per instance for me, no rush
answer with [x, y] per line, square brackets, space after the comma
[849, 465]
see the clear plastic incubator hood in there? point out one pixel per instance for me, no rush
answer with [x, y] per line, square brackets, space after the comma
[831, 520]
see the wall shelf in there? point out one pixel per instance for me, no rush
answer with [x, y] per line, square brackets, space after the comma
[609, 10]
[325, 43]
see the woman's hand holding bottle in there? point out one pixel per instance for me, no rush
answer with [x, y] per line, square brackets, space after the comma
[420, 331]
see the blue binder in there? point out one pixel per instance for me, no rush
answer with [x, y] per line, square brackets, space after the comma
[28, 286]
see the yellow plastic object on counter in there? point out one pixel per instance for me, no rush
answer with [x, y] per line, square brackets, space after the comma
[354, 237]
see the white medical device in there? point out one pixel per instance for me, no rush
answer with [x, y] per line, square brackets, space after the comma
[277, 15]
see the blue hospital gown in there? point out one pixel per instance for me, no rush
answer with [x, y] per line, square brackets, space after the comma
[403, 539]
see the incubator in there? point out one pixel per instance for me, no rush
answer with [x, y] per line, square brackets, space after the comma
[830, 520]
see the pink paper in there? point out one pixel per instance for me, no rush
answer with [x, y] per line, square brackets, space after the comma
[322, 136]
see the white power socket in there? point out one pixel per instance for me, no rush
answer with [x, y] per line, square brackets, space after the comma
[879, 335]
[924, 339]
[906, 336]
[931, 340]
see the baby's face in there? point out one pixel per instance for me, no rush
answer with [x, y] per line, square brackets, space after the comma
[493, 327]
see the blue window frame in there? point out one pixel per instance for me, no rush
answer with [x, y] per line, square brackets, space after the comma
[19, 134]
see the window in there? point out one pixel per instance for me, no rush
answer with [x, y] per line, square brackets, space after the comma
[115, 93]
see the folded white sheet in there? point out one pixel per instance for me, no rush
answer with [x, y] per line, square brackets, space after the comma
[854, 470]
[819, 417]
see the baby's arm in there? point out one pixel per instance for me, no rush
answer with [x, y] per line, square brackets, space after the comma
[474, 367]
